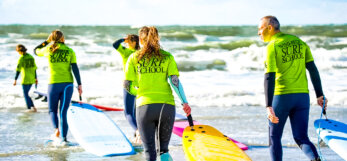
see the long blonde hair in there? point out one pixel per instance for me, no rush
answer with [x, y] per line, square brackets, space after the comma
[56, 37]
[150, 39]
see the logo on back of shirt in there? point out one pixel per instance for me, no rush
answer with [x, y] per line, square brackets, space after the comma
[28, 63]
[59, 56]
[292, 50]
[153, 65]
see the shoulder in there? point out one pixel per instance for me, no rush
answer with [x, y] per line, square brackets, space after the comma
[134, 55]
[29, 56]
[166, 54]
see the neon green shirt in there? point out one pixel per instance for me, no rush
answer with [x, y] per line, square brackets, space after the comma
[27, 67]
[59, 63]
[125, 53]
[152, 78]
[287, 55]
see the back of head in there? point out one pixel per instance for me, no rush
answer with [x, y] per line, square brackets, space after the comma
[56, 37]
[273, 21]
[134, 38]
[150, 41]
[21, 48]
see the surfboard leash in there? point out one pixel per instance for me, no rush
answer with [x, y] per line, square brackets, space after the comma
[319, 130]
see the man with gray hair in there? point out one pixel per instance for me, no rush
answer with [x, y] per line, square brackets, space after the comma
[286, 88]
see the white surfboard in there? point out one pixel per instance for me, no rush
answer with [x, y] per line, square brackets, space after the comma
[96, 132]
[334, 134]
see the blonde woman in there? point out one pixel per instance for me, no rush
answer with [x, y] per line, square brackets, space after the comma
[62, 60]
[150, 69]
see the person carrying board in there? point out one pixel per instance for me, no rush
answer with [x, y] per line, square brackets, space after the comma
[129, 100]
[150, 68]
[286, 88]
[27, 66]
[62, 60]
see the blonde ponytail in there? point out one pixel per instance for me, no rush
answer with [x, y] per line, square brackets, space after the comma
[56, 37]
[151, 46]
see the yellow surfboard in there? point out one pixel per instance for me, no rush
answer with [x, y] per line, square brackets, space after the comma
[205, 143]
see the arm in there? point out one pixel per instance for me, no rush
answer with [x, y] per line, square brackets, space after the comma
[117, 43]
[128, 85]
[76, 73]
[269, 88]
[40, 46]
[317, 85]
[15, 78]
[315, 78]
[177, 86]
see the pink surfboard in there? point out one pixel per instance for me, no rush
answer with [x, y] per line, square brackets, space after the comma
[180, 125]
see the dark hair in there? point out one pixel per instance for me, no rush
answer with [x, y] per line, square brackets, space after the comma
[273, 21]
[21, 48]
[134, 38]
[56, 37]
[151, 46]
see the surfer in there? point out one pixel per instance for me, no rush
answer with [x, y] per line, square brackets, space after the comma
[286, 87]
[62, 60]
[129, 100]
[27, 66]
[149, 69]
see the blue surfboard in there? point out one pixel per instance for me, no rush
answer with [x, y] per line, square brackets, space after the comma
[334, 134]
[96, 132]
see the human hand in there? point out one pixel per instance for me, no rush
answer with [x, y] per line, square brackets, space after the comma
[15, 83]
[271, 115]
[187, 109]
[320, 101]
[80, 89]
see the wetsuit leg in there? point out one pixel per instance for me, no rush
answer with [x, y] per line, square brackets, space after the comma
[281, 105]
[299, 117]
[68, 88]
[129, 108]
[166, 124]
[28, 101]
[53, 94]
[147, 121]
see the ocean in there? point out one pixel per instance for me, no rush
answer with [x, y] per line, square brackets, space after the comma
[221, 70]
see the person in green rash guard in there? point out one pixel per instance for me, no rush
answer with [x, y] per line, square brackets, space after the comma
[26, 65]
[129, 100]
[150, 69]
[286, 88]
[62, 60]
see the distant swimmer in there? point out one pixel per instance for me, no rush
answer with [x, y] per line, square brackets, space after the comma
[27, 67]
[286, 88]
[133, 44]
[62, 60]
[155, 105]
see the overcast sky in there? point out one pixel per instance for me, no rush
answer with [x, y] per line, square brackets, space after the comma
[171, 12]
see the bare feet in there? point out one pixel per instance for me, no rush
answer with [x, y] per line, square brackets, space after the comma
[33, 109]
[57, 133]
[137, 139]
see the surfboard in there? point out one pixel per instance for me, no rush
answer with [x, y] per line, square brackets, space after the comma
[181, 123]
[205, 143]
[334, 134]
[106, 108]
[96, 132]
